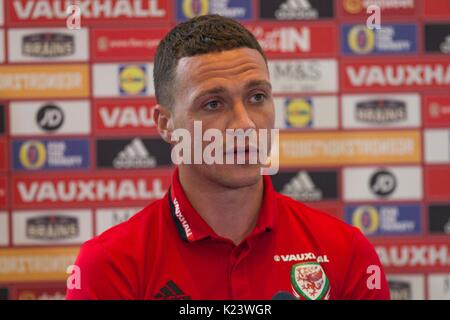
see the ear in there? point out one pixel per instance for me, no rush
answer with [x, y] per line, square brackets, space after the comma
[164, 122]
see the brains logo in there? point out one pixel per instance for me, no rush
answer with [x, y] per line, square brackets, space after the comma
[352, 6]
[48, 45]
[400, 290]
[361, 40]
[133, 79]
[32, 155]
[193, 8]
[52, 228]
[299, 113]
[366, 219]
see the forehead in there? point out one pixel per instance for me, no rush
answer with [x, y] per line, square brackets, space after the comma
[226, 66]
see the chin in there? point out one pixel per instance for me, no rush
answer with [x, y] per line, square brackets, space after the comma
[235, 176]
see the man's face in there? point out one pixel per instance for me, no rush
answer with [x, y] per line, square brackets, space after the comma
[225, 90]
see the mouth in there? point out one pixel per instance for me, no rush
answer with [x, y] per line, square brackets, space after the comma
[242, 149]
[249, 155]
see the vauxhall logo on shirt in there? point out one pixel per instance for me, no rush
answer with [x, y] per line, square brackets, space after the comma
[297, 257]
[308, 278]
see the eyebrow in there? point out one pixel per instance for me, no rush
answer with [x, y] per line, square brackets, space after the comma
[258, 83]
[221, 89]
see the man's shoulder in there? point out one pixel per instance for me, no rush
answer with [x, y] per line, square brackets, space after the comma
[345, 245]
[315, 220]
[132, 232]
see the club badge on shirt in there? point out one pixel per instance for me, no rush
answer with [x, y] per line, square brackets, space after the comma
[309, 281]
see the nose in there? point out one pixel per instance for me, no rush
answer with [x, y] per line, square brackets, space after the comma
[240, 117]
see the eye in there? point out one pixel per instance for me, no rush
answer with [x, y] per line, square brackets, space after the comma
[212, 105]
[257, 98]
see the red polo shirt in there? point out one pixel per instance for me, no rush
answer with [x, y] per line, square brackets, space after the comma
[167, 251]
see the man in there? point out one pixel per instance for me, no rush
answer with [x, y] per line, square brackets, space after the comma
[221, 231]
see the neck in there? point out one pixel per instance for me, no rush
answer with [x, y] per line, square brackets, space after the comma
[231, 212]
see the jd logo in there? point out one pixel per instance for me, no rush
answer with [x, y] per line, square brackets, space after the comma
[383, 183]
[50, 117]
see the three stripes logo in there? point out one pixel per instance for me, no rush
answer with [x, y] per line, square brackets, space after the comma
[134, 155]
[296, 9]
[171, 292]
[302, 188]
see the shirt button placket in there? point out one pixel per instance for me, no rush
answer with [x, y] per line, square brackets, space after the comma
[238, 277]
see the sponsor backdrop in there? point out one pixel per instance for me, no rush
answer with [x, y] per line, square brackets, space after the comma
[364, 117]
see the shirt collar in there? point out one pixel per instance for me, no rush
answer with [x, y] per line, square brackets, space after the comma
[190, 225]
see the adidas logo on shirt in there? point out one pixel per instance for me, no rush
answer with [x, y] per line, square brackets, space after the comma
[302, 188]
[171, 292]
[134, 155]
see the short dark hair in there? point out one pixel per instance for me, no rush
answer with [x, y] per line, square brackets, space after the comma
[199, 35]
